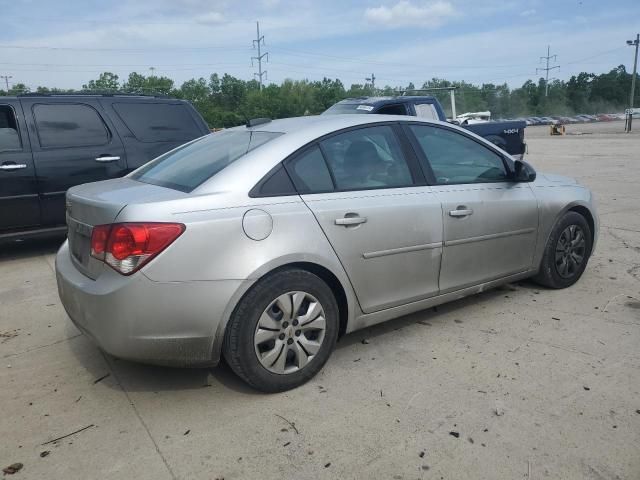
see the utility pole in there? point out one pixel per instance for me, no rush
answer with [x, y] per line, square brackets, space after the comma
[256, 44]
[6, 80]
[152, 82]
[372, 79]
[635, 42]
[547, 58]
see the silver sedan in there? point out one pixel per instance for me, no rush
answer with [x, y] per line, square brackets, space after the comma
[267, 242]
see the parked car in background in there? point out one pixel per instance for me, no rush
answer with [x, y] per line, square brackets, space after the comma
[265, 243]
[49, 143]
[506, 135]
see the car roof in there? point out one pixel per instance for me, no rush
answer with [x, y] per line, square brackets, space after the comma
[376, 101]
[306, 129]
[298, 132]
[80, 95]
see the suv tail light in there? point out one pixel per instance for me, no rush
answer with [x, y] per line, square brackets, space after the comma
[126, 247]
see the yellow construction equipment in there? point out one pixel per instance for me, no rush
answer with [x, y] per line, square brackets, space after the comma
[557, 129]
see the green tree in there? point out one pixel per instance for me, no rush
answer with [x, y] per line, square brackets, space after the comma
[106, 82]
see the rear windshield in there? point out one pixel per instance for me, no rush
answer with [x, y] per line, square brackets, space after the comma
[339, 108]
[191, 165]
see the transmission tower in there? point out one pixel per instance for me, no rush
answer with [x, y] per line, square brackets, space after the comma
[256, 44]
[546, 70]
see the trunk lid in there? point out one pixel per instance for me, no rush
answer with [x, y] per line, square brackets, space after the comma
[100, 203]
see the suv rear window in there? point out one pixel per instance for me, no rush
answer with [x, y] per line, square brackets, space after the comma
[69, 125]
[191, 165]
[158, 122]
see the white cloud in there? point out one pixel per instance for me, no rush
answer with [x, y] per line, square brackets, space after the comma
[403, 13]
[528, 13]
[210, 18]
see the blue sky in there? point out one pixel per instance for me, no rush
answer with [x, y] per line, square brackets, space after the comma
[400, 41]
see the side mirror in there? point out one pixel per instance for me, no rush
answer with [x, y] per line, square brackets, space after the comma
[523, 172]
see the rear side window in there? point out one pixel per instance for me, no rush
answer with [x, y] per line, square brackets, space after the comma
[158, 122]
[310, 173]
[191, 165]
[9, 136]
[426, 110]
[69, 125]
[367, 158]
[399, 109]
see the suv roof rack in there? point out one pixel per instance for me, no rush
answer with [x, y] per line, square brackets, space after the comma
[90, 94]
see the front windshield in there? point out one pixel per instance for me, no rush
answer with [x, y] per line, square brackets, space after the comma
[340, 108]
[192, 164]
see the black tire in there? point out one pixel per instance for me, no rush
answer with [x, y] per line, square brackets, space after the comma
[552, 273]
[239, 349]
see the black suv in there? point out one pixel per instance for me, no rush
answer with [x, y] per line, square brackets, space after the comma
[49, 143]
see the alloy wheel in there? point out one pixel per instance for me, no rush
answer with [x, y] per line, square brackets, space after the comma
[570, 251]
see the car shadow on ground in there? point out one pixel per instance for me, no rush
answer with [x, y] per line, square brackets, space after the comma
[30, 247]
[137, 377]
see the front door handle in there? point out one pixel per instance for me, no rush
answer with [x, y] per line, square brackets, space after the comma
[347, 221]
[12, 166]
[461, 212]
[107, 158]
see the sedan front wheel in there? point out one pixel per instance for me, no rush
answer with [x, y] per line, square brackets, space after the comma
[566, 253]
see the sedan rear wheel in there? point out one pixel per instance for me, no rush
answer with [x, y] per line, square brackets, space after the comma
[290, 332]
[282, 331]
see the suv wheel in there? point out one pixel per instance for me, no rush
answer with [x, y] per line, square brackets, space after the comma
[282, 331]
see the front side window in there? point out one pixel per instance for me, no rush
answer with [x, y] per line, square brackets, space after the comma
[9, 136]
[191, 165]
[367, 158]
[69, 125]
[454, 158]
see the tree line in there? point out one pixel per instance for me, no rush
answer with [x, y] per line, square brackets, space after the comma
[226, 101]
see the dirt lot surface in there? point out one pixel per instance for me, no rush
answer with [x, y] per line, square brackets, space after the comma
[519, 382]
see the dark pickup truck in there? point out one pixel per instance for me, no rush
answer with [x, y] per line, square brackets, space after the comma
[509, 136]
[49, 143]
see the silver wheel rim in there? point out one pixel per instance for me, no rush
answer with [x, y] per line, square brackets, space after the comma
[290, 332]
[570, 251]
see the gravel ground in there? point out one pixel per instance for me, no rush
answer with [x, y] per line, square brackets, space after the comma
[519, 382]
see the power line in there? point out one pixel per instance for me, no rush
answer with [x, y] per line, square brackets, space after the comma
[256, 43]
[547, 58]
[160, 49]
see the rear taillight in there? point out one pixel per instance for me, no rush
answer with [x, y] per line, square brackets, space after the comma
[126, 247]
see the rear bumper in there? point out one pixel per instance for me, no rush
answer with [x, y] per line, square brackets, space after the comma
[135, 318]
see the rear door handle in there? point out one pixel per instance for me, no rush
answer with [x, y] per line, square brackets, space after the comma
[461, 212]
[346, 221]
[107, 158]
[12, 166]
